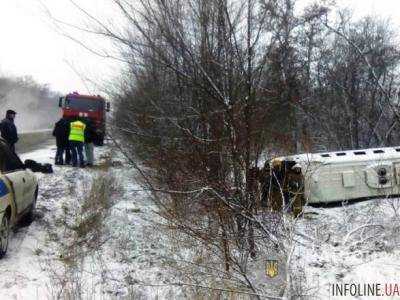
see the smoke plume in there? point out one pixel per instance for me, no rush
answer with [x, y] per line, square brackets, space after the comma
[36, 105]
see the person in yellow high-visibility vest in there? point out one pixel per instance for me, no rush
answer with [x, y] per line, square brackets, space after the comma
[76, 141]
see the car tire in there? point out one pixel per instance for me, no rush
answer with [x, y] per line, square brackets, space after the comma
[30, 215]
[4, 234]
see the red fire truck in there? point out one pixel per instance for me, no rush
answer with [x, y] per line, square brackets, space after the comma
[93, 108]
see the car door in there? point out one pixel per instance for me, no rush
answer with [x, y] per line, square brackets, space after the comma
[13, 170]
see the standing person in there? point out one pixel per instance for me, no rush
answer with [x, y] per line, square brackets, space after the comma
[90, 136]
[9, 130]
[61, 133]
[76, 141]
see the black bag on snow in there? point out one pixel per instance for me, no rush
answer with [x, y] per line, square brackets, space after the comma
[37, 167]
[47, 168]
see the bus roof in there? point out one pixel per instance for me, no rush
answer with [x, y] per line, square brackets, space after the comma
[373, 154]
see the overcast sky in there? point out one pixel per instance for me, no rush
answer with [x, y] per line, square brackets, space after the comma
[30, 45]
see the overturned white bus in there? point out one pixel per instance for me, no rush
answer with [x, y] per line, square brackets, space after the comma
[334, 176]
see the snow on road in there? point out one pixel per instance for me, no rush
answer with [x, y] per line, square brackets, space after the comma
[123, 264]
[22, 274]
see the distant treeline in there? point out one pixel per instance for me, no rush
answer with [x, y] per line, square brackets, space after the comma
[36, 105]
[293, 82]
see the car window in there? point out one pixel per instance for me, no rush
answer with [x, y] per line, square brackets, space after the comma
[9, 161]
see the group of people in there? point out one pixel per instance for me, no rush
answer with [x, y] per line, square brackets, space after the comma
[72, 137]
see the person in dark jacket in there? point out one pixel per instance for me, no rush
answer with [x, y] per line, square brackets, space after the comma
[61, 133]
[90, 137]
[9, 130]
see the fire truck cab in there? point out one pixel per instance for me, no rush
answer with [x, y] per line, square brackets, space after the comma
[89, 107]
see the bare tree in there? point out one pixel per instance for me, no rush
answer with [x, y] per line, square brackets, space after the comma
[212, 86]
[205, 82]
[353, 101]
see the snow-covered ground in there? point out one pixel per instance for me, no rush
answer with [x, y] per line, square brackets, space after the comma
[50, 260]
[124, 255]
[350, 244]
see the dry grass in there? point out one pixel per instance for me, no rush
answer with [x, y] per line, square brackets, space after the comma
[106, 162]
[89, 220]
[83, 236]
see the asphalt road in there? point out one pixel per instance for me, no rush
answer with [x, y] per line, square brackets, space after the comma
[30, 141]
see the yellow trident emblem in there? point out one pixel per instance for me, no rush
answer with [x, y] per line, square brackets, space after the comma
[271, 268]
